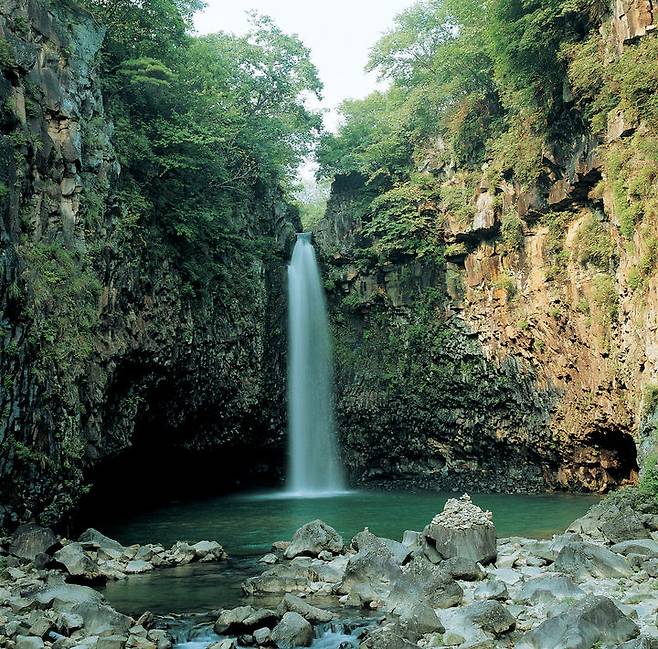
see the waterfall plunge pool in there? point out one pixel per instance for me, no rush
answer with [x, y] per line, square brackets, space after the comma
[247, 525]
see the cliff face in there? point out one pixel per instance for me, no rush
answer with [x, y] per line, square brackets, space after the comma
[523, 355]
[103, 348]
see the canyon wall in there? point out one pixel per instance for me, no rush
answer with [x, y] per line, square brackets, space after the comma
[522, 354]
[104, 350]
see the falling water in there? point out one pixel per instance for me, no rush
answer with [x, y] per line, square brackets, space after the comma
[314, 466]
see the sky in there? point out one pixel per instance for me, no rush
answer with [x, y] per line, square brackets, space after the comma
[339, 34]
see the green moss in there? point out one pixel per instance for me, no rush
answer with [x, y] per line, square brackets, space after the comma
[605, 297]
[512, 230]
[558, 256]
[593, 243]
[507, 282]
[7, 58]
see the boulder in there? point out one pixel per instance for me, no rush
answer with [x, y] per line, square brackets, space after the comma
[609, 522]
[262, 636]
[386, 637]
[646, 547]
[30, 540]
[418, 619]
[582, 560]
[461, 530]
[313, 538]
[307, 611]
[281, 578]
[488, 616]
[492, 589]
[269, 559]
[370, 572]
[62, 596]
[209, 551]
[28, 642]
[582, 625]
[549, 587]
[464, 569]
[112, 642]
[77, 563]
[292, 631]
[138, 566]
[244, 619]
[102, 620]
[94, 537]
[423, 582]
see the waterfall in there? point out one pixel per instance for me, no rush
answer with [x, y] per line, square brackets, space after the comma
[314, 468]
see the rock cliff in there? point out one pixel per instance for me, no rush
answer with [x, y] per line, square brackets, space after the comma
[104, 352]
[521, 356]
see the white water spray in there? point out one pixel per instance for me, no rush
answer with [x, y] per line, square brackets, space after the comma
[314, 468]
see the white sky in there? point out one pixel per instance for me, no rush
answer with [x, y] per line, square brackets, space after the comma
[339, 33]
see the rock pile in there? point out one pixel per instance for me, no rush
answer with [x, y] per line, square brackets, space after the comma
[95, 557]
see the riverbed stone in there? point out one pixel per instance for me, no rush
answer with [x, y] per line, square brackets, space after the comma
[370, 572]
[309, 612]
[313, 538]
[270, 559]
[77, 563]
[30, 540]
[101, 620]
[648, 548]
[582, 560]
[262, 636]
[492, 589]
[589, 621]
[28, 642]
[64, 595]
[112, 642]
[94, 537]
[138, 566]
[423, 582]
[463, 569]
[292, 631]
[549, 587]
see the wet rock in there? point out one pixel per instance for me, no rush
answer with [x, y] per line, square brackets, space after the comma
[228, 643]
[30, 540]
[581, 560]
[269, 559]
[461, 530]
[492, 589]
[549, 587]
[209, 551]
[94, 537]
[292, 631]
[281, 578]
[464, 569]
[307, 611]
[77, 563]
[244, 619]
[138, 566]
[313, 538]
[581, 626]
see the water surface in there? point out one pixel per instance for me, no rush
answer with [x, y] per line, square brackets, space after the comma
[246, 525]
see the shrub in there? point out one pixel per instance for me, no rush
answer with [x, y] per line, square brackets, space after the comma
[512, 230]
[594, 245]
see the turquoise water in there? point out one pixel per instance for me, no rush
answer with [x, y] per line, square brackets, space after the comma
[247, 525]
